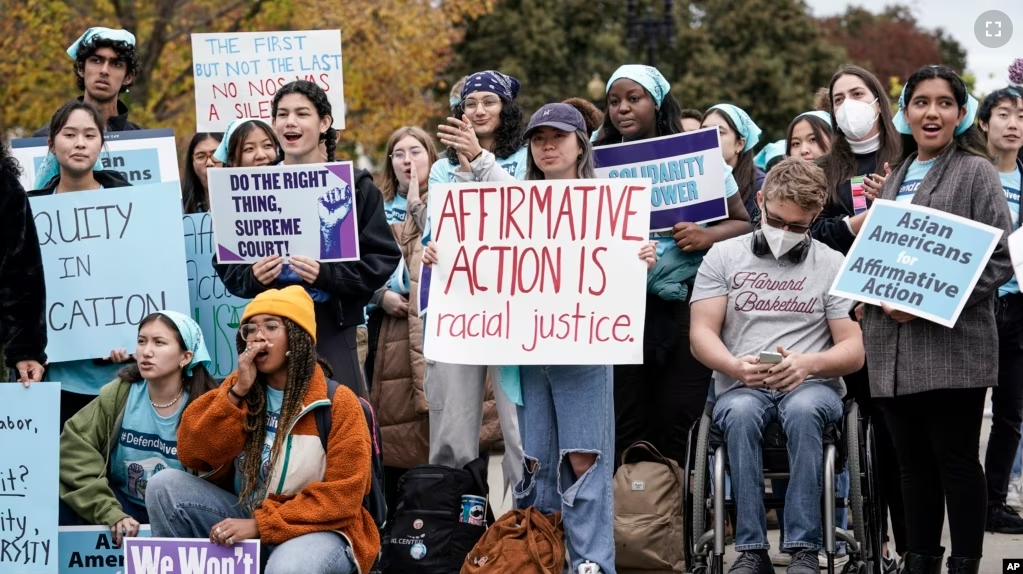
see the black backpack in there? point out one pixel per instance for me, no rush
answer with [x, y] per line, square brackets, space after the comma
[426, 534]
[374, 502]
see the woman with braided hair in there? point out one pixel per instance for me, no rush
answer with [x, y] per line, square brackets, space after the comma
[258, 437]
[302, 118]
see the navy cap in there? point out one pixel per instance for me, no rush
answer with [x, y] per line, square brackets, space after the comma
[559, 116]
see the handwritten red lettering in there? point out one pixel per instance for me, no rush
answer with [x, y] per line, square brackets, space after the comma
[579, 326]
[448, 211]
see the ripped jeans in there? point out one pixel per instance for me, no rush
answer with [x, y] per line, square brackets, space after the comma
[570, 409]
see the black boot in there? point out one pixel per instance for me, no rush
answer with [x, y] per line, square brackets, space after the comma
[963, 565]
[920, 564]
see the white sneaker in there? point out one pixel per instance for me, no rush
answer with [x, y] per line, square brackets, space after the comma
[840, 560]
[1015, 498]
[781, 558]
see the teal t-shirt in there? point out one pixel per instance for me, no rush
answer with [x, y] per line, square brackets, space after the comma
[1011, 186]
[274, 400]
[396, 209]
[148, 443]
[914, 175]
[83, 377]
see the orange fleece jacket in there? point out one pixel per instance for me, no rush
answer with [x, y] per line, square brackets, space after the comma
[211, 435]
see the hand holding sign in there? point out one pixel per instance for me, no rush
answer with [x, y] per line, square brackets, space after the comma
[307, 269]
[29, 372]
[430, 254]
[895, 314]
[227, 532]
[267, 269]
[691, 237]
[125, 527]
[648, 253]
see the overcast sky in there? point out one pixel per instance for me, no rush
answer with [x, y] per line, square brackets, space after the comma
[957, 17]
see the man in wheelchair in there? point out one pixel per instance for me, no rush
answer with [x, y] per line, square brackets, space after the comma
[778, 343]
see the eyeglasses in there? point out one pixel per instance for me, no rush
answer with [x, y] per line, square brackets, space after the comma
[270, 328]
[489, 104]
[782, 224]
[201, 157]
[414, 153]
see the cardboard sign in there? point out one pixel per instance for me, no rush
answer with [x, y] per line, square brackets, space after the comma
[237, 74]
[189, 555]
[540, 272]
[91, 550]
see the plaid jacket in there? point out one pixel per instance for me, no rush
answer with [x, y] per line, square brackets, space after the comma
[22, 290]
[922, 356]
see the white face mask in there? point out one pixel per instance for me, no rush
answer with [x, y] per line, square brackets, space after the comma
[779, 240]
[856, 119]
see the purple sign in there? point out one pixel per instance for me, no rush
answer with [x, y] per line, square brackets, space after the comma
[189, 556]
[686, 170]
[307, 210]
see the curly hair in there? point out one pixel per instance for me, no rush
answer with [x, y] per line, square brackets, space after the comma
[126, 53]
[508, 137]
[196, 384]
[193, 193]
[591, 113]
[9, 167]
[822, 100]
[301, 367]
[318, 97]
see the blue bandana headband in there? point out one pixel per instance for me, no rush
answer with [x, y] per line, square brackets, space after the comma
[221, 153]
[744, 125]
[902, 125]
[191, 334]
[505, 86]
[102, 33]
[770, 151]
[647, 76]
[817, 114]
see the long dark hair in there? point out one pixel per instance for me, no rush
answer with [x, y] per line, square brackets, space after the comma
[820, 128]
[508, 135]
[193, 194]
[234, 145]
[63, 114]
[668, 121]
[971, 141]
[10, 169]
[318, 97]
[196, 384]
[839, 164]
[301, 367]
[745, 173]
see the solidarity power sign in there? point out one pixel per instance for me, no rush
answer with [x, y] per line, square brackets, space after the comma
[543, 272]
[237, 74]
[29, 478]
[307, 210]
[111, 257]
[686, 172]
[141, 157]
[916, 259]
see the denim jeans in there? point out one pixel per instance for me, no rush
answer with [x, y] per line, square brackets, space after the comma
[570, 409]
[742, 414]
[185, 506]
[780, 486]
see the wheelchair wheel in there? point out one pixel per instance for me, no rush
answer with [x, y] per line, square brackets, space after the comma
[875, 532]
[701, 484]
[852, 437]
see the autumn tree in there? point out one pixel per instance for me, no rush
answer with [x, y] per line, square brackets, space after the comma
[892, 44]
[394, 51]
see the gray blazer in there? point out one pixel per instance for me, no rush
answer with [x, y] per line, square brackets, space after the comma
[922, 356]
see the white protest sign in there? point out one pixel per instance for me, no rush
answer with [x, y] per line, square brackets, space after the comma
[538, 273]
[238, 73]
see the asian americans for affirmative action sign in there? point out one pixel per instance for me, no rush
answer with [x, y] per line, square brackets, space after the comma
[306, 210]
[539, 272]
[91, 550]
[237, 74]
[916, 259]
[686, 172]
[111, 257]
[141, 157]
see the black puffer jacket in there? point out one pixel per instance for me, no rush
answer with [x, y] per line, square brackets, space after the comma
[22, 288]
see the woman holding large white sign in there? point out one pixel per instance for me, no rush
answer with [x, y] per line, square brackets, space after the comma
[935, 377]
[75, 140]
[659, 401]
[567, 411]
[302, 120]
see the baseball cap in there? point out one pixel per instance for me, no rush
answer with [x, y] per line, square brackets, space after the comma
[559, 116]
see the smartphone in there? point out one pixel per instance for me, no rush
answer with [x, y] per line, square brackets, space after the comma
[770, 358]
